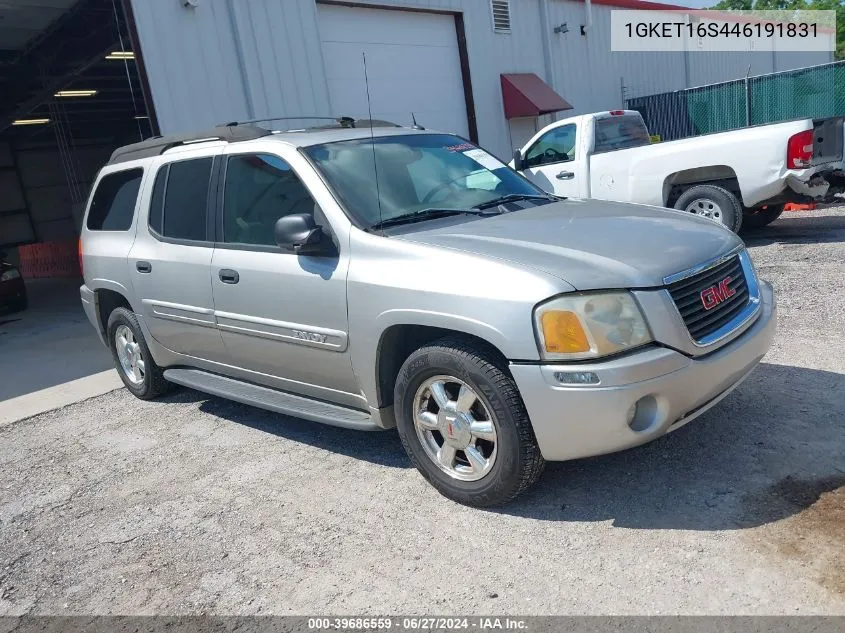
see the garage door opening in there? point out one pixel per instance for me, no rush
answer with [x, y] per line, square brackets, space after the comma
[71, 91]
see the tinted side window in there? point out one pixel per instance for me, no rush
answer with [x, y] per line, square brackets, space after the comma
[555, 146]
[156, 220]
[113, 204]
[260, 189]
[186, 200]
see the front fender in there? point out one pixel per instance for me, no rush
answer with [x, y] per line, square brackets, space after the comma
[446, 321]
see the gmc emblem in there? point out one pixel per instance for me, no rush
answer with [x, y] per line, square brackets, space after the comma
[714, 295]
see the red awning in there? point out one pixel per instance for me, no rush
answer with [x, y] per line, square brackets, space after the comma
[525, 94]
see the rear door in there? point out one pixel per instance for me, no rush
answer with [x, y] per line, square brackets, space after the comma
[170, 261]
[551, 161]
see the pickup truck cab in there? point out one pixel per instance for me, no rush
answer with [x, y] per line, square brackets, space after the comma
[747, 174]
[384, 277]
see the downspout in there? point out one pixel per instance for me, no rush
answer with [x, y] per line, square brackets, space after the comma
[547, 43]
[589, 21]
[240, 58]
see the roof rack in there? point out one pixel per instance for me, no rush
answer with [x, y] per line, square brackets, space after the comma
[159, 144]
[232, 132]
[337, 122]
[357, 123]
[343, 121]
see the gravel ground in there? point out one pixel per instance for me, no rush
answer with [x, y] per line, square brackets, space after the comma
[193, 504]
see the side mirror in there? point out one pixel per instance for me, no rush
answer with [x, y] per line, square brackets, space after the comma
[518, 161]
[299, 233]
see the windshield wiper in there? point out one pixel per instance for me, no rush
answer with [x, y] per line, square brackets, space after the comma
[512, 197]
[425, 214]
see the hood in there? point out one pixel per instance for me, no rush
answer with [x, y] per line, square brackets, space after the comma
[590, 244]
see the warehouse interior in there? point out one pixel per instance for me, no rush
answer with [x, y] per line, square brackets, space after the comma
[70, 93]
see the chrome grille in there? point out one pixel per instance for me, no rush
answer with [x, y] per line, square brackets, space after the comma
[687, 295]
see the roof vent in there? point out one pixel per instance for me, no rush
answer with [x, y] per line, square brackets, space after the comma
[501, 15]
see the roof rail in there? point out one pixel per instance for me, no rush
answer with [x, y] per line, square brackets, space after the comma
[344, 121]
[359, 123]
[337, 122]
[159, 144]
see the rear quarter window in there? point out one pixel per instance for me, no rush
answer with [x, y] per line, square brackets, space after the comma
[620, 132]
[113, 203]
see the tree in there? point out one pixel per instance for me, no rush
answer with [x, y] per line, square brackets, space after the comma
[793, 5]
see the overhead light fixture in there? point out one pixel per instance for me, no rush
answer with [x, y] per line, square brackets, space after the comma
[121, 55]
[75, 93]
[30, 121]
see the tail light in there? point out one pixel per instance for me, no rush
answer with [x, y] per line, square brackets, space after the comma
[799, 150]
[79, 252]
[617, 112]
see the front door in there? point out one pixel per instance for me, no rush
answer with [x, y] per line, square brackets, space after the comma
[550, 162]
[282, 316]
[170, 260]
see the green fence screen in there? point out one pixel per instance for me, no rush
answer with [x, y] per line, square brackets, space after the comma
[816, 92]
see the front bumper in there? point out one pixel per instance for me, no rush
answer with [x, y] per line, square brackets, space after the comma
[671, 389]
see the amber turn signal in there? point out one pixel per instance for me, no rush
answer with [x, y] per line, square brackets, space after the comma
[563, 333]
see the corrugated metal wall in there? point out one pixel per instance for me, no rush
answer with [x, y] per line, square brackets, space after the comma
[236, 59]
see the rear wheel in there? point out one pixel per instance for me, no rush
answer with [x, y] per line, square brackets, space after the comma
[464, 425]
[758, 218]
[712, 202]
[132, 357]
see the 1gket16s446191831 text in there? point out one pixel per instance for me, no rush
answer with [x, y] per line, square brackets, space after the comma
[714, 30]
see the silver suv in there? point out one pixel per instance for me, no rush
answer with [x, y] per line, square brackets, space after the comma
[372, 277]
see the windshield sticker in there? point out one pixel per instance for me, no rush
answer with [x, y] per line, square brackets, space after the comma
[459, 148]
[484, 159]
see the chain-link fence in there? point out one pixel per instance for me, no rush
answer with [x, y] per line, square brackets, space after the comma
[815, 92]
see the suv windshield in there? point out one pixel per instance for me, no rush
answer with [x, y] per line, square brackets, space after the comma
[415, 173]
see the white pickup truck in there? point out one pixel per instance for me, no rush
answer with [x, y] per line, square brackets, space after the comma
[745, 175]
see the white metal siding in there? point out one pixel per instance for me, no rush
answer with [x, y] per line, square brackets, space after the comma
[413, 65]
[233, 59]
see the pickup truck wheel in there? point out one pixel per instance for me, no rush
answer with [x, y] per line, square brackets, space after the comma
[715, 203]
[463, 424]
[756, 219]
[132, 357]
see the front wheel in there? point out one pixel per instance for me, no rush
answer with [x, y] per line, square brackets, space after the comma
[713, 202]
[463, 424]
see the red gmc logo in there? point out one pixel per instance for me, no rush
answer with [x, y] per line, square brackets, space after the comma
[714, 295]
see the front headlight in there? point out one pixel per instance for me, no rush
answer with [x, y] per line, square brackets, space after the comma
[10, 274]
[574, 327]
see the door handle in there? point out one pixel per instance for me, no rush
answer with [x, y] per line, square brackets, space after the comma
[229, 276]
[565, 175]
[144, 267]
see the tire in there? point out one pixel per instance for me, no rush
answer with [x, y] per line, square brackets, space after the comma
[763, 217]
[708, 199]
[513, 460]
[152, 383]
[22, 304]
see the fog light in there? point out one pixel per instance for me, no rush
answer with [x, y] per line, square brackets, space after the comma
[576, 378]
